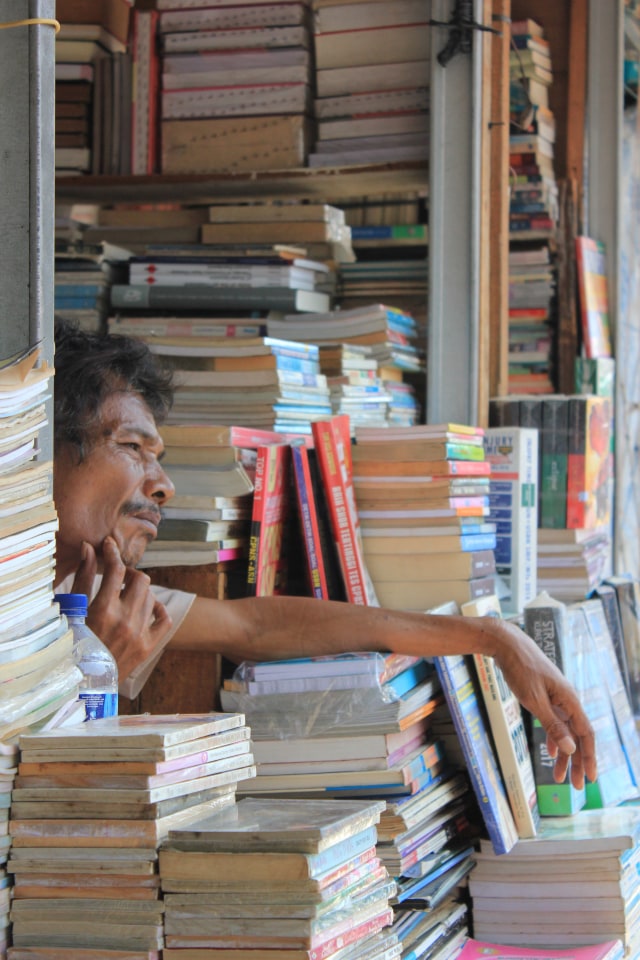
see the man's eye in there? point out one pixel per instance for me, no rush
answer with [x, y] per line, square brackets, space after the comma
[134, 446]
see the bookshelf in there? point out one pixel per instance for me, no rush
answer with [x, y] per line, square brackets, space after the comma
[302, 184]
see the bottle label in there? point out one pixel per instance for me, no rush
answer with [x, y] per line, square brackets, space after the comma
[100, 704]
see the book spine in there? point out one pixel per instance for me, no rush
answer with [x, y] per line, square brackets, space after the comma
[576, 455]
[340, 512]
[309, 522]
[546, 625]
[554, 459]
[266, 566]
[337, 854]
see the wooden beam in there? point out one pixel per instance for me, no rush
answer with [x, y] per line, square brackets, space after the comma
[576, 91]
[499, 205]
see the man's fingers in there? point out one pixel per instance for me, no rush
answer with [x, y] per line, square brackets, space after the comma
[162, 621]
[86, 572]
[114, 570]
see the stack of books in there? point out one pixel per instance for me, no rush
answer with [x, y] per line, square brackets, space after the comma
[533, 211]
[261, 382]
[235, 88]
[287, 877]
[8, 770]
[83, 277]
[572, 563]
[196, 281]
[423, 500]
[89, 808]
[574, 486]
[371, 82]
[531, 292]
[338, 727]
[590, 895]
[320, 229]
[392, 333]
[37, 671]
[355, 385]
[93, 90]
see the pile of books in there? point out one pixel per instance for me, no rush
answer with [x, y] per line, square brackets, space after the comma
[93, 73]
[574, 486]
[37, 671]
[590, 895]
[531, 293]
[423, 501]
[355, 383]
[235, 88]
[371, 82]
[358, 726]
[391, 332]
[83, 277]
[533, 211]
[281, 876]
[197, 279]
[90, 806]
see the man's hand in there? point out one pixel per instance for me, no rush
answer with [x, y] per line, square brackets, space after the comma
[124, 613]
[543, 690]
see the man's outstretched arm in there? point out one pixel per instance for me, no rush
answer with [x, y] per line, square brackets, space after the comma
[273, 628]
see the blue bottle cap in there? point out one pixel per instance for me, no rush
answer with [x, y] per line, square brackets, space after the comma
[72, 604]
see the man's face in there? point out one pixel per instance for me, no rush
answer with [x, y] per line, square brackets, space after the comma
[117, 490]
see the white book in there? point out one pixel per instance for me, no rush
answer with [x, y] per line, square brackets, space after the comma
[513, 454]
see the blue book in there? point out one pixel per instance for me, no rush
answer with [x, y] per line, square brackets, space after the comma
[75, 303]
[407, 680]
[74, 290]
[291, 362]
[462, 699]
[332, 857]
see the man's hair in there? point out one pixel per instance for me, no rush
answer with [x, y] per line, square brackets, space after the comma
[89, 367]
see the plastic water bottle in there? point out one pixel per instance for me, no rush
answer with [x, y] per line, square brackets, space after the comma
[99, 687]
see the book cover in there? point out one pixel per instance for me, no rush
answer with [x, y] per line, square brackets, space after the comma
[594, 298]
[546, 622]
[602, 643]
[589, 462]
[462, 699]
[606, 593]
[507, 727]
[333, 448]
[267, 563]
[481, 949]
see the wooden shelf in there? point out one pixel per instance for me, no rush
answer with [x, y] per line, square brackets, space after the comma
[299, 183]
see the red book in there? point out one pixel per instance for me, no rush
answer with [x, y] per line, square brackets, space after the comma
[266, 572]
[333, 447]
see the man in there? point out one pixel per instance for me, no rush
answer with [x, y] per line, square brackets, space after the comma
[109, 490]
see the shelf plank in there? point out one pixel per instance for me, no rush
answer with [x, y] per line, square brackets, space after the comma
[300, 183]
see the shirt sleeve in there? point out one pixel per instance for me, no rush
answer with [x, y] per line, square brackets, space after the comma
[178, 604]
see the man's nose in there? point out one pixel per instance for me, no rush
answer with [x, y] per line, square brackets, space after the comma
[157, 485]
